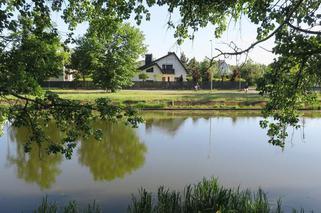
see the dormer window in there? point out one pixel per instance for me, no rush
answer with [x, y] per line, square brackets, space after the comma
[150, 69]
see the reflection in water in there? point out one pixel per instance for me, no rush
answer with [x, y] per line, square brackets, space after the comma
[2, 124]
[171, 121]
[117, 154]
[173, 155]
[37, 166]
[170, 125]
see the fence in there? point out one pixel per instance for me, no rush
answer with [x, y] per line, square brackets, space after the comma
[138, 85]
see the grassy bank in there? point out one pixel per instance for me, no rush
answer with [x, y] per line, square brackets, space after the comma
[205, 196]
[178, 99]
[175, 99]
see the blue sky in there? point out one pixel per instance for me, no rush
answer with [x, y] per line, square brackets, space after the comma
[160, 40]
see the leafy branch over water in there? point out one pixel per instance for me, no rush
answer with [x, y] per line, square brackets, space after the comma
[73, 119]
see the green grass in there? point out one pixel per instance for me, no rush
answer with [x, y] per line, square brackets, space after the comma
[174, 99]
[167, 95]
[72, 207]
[232, 99]
[206, 196]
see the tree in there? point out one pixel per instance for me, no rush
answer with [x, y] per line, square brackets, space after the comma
[82, 57]
[235, 75]
[193, 69]
[31, 53]
[143, 76]
[251, 72]
[208, 69]
[109, 52]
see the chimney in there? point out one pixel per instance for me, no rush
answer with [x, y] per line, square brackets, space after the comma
[148, 59]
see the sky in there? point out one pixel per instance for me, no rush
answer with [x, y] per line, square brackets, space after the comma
[160, 40]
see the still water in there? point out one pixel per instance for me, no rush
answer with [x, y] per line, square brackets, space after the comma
[170, 149]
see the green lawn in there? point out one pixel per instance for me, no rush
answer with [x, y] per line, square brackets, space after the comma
[152, 95]
[172, 98]
[175, 99]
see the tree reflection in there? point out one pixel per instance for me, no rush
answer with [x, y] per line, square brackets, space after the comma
[37, 166]
[117, 154]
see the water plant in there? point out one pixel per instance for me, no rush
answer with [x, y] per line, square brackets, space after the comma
[205, 196]
[72, 207]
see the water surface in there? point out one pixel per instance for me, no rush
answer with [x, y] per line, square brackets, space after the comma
[170, 149]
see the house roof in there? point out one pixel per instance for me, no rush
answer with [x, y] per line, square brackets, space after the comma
[163, 71]
[149, 65]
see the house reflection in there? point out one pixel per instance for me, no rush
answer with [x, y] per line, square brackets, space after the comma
[169, 125]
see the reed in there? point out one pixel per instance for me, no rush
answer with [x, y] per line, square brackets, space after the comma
[205, 196]
[71, 207]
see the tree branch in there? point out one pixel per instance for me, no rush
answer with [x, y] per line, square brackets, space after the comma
[288, 16]
[303, 30]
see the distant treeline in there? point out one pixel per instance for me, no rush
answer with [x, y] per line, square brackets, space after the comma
[202, 71]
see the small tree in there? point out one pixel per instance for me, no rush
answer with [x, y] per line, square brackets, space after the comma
[252, 71]
[143, 76]
[193, 68]
[208, 70]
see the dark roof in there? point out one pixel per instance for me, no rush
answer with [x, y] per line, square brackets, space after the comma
[163, 71]
[149, 65]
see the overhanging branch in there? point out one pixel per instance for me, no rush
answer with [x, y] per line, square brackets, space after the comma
[236, 52]
[303, 30]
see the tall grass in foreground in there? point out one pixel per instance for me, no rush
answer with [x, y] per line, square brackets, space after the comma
[71, 207]
[205, 196]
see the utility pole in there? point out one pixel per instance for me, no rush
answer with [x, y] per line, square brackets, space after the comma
[211, 66]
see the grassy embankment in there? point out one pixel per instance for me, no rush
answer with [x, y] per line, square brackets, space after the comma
[167, 99]
[175, 99]
[179, 99]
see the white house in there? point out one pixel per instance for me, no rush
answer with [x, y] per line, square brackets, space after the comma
[168, 68]
[65, 76]
[224, 68]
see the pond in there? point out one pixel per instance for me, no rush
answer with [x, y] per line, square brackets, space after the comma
[172, 149]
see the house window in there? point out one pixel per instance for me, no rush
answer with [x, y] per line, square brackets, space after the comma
[167, 66]
[150, 70]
